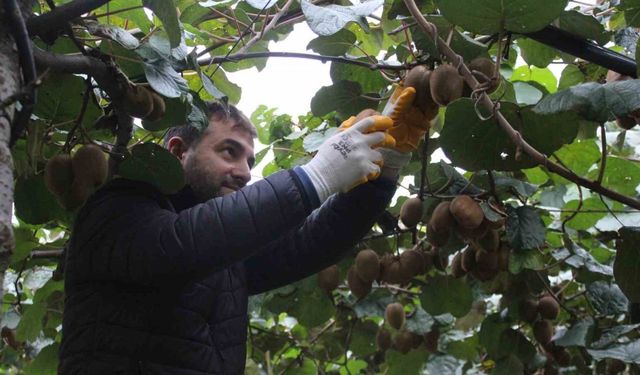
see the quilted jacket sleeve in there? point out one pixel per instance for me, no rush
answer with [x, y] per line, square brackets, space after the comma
[322, 240]
[127, 234]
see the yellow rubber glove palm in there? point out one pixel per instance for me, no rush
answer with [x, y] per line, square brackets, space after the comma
[409, 122]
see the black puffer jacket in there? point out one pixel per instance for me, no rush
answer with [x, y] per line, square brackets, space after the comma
[159, 285]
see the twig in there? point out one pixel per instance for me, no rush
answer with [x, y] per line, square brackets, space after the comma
[257, 55]
[43, 254]
[106, 14]
[266, 29]
[553, 295]
[513, 135]
[80, 117]
[603, 161]
[400, 29]
[47, 25]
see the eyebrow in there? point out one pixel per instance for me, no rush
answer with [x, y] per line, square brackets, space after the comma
[235, 144]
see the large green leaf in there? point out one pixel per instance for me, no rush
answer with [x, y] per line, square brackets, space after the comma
[369, 80]
[473, 144]
[166, 12]
[45, 363]
[34, 203]
[403, 364]
[343, 97]
[464, 45]
[59, 99]
[607, 298]
[626, 268]
[31, 322]
[330, 19]
[620, 175]
[583, 25]
[631, 12]
[629, 353]
[491, 333]
[594, 101]
[155, 165]
[176, 113]
[446, 294]
[536, 53]
[524, 228]
[164, 79]
[493, 16]
[334, 45]
[584, 220]
[580, 334]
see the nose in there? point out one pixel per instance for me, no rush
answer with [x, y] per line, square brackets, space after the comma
[241, 174]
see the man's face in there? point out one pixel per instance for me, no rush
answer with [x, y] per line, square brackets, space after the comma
[221, 162]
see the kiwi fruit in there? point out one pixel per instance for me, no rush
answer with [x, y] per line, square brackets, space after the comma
[431, 339]
[404, 341]
[158, 108]
[427, 261]
[490, 241]
[528, 310]
[138, 101]
[468, 260]
[543, 331]
[548, 307]
[394, 315]
[504, 253]
[90, 167]
[358, 287]
[441, 222]
[412, 262]
[472, 233]
[561, 356]
[440, 261]
[486, 67]
[484, 274]
[456, 266]
[76, 196]
[498, 224]
[383, 339]
[58, 174]
[445, 84]
[486, 261]
[391, 271]
[615, 367]
[436, 237]
[419, 77]
[626, 122]
[467, 213]
[329, 278]
[367, 265]
[411, 212]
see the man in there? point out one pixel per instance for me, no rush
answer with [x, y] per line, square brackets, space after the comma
[159, 284]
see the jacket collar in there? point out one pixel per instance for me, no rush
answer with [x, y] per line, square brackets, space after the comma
[183, 199]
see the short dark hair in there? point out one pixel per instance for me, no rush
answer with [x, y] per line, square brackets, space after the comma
[217, 111]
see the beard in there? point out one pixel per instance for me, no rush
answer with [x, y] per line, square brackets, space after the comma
[202, 182]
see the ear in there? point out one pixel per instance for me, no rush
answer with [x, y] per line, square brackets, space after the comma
[177, 147]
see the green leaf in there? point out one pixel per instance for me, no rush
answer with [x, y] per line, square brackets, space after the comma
[344, 97]
[527, 93]
[132, 17]
[420, 322]
[580, 334]
[631, 10]
[363, 339]
[464, 45]
[579, 157]
[584, 220]
[542, 79]
[262, 4]
[114, 33]
[308, 303]
[47, 289]
[166, 11]
[536, 53]
[620, 175]
[594, 101]
[607, 298]
[522, 260]
[443, 364]
[45, 363]
[34, 203]
[31, 322]
[402, 364]
[328, 20]
[491, 332]
[628, 353]
[374, 304]
[508, 366]
[610, 336]
[313, 140]
[176, 113]
[446, 294]
[492, 16]
[369, 80]
[164, 79]
[583, 25]
[524, 228]
[571, 76]
[626, 267]
[473, 144]
[59, 99]
[155, 165]
[334, 45]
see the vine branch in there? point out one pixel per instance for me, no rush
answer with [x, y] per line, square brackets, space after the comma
[515, 136]
[47, 25]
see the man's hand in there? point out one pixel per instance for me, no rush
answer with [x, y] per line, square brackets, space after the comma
[410, 123]
[348, 158]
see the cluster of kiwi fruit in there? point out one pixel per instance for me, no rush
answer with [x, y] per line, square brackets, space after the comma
[400, 338]
[71, 179]
[141, 102]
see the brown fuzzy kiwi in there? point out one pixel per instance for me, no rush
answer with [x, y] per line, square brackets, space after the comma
[419, 78]
[90, 166]
[486, 67]
[383, 339]
[441, 223]
[486, 261]
[404, 341]
[159, 108]
[365, 113]
[411, 212]
[446, 84]
[391, 270]
[138, 101]
[358, 287]
[367, 265]
[483, 274]
[626, 122]
[543, 331]
[437, 237]
[615, 367]
[456, 266]
[412, 261]
[528, 310]
[490, 241]
[394, 315]
[467, 212]
[58, 174]
[417, 340]
[76, 197]
[548, 307]
[504, 253]
[329, 278]
[561, 356]
[440, 261]
[498, 224]
[472, 233]
[427, 261]
[431, 339]
[468, 260]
